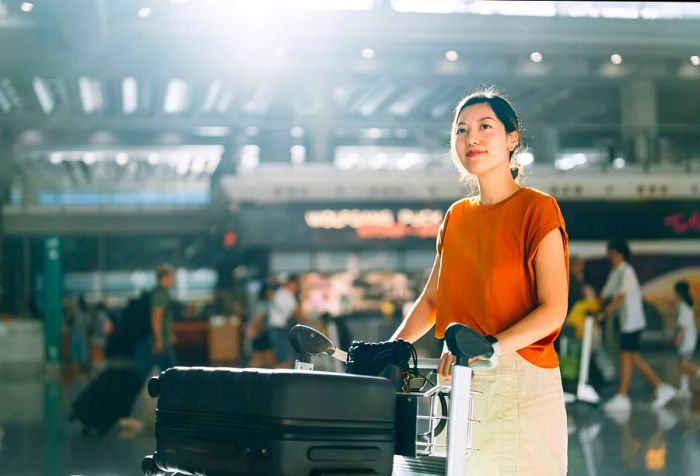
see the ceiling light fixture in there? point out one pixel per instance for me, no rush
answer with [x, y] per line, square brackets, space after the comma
[451, 55]
[536, 57]
[616, 59]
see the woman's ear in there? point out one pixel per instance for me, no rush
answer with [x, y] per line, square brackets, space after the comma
[512, 139]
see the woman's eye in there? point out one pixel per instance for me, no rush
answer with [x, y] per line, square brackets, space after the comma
[461, 130]
[486, 126]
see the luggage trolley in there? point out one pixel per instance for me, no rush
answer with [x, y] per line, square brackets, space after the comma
[202, 429]
[431, 457]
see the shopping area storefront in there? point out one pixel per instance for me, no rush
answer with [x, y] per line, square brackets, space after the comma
[356, 257]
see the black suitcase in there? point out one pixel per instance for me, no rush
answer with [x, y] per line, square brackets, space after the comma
[226, 421]
[106, 399]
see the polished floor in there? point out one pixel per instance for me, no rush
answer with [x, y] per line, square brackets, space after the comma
[36, 437]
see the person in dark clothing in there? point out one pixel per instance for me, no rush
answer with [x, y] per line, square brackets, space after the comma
[157, 349]
[263, 353]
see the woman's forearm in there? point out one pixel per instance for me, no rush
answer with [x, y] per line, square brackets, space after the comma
[541, 322]
[419, 320]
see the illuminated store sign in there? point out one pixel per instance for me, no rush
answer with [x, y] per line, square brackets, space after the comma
[682, 223]
[384, 223]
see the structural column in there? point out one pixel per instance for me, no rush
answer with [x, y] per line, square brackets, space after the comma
[639, 121]
[52, 282]
[5, 180]
[546, 145]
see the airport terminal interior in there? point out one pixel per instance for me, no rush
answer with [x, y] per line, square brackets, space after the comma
[204, 154]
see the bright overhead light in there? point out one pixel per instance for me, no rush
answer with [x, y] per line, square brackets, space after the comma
[616, 59]
[374, 133]
[26, 7]
[213, 163]
[43, 95]
[695, 59]
[90, 94]
[198, 164]
[212, 95]
[368, 53]
[183, 165]
[175, 97]
[122, 158]
[212, 131]
[536, 57]
[89, 158]
[296, 132]
[55, 157]
[129, 95]
[144, 12]
[281, 51]
[153, 158]
[451, 55]
[250, 157]
[618, 163]
[297, 154]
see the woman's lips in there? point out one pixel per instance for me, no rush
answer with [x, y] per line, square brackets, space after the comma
[474, 153]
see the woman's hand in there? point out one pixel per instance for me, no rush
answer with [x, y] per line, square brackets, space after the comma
[444, 369]
[447, 360]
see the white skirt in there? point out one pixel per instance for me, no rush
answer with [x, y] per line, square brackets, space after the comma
[522, 427]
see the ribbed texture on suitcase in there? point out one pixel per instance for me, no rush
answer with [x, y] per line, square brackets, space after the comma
[283, 394]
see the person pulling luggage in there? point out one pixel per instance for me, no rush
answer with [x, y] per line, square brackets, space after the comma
[156, 348]
[155, 344]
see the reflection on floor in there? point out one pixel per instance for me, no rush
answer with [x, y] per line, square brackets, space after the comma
[36, 437]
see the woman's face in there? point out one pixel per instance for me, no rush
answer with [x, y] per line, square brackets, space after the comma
[482, 143]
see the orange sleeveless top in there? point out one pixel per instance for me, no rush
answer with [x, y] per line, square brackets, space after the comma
[487, 265]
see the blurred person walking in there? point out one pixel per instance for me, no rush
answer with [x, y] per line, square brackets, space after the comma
[686, 336]
[101, 329]
[502, 269]
[579, 285]
[284, 309]
[622, 296]
[78, 321]
[263, 353]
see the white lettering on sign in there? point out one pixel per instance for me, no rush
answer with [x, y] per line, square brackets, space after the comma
[419, 218]
[337, 219]
[378, 223]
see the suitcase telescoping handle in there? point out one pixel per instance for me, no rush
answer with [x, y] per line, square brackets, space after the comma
[307, 342]
[464, 343]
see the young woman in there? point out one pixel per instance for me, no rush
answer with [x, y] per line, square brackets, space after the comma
[501, 269]
[686, 336]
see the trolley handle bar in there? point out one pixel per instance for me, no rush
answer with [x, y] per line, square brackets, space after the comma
[465, 343]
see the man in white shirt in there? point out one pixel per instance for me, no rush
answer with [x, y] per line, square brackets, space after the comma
[283, 308]
[622, 295]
